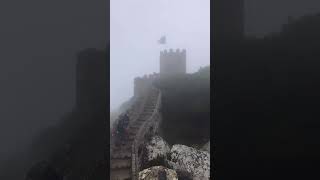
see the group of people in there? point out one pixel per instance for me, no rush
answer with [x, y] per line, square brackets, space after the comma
[121, 129]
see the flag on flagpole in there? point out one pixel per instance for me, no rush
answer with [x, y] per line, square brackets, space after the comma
[162, 40]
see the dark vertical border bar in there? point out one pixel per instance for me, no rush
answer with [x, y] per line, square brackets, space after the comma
[108, 10]
[212, 90]
[228, 31]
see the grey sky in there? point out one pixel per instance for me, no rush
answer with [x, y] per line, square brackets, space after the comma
[137, 25]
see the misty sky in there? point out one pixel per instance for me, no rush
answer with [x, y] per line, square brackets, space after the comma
[137, 25]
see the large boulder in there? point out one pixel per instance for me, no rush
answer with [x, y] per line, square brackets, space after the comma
[158, 173]
[155, 152]
[188, 160]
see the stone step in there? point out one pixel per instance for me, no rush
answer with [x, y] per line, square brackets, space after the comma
[151, 103]
[137, 124]
[149, 113]
[133, 130]
[132, 124]
[145, 114]
[150, 106]
[120, 163]
[148, 109]
[120, 174]
[127, 146]
[141, 120]
[121, 155]
[133, 133]
[134, 127]
[123, 143]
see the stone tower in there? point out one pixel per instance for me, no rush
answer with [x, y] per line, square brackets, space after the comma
[228, 20]
[173, 62]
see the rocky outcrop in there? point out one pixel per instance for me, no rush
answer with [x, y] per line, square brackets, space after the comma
[155, 152]
[190, 161]
[157, 147]
[158, 173]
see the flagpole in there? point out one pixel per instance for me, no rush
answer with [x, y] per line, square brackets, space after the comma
[162, 41]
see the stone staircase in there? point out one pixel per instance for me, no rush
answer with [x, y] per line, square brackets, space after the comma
[120, 159]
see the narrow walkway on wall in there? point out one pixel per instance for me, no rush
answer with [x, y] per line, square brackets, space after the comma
[121, 154]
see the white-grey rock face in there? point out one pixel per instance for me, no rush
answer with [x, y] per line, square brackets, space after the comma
[206, 147]
[157, 148]
[187, 159]
[158, 173]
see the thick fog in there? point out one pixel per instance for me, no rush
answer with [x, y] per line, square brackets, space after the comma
[39, 42]
[137, 25]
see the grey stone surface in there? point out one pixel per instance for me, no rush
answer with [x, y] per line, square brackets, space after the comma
[158, 173]
[157, 148]
[190, 160]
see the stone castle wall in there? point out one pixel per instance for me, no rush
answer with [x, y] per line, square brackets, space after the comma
[143, 84]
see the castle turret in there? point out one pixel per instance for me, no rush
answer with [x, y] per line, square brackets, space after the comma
[173, 62]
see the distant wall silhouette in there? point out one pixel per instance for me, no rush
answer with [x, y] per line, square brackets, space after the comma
[91, 80]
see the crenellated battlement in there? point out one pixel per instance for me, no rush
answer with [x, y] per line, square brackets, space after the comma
[173, 62]
[147, 77]
[171, 52]
[142, 84]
